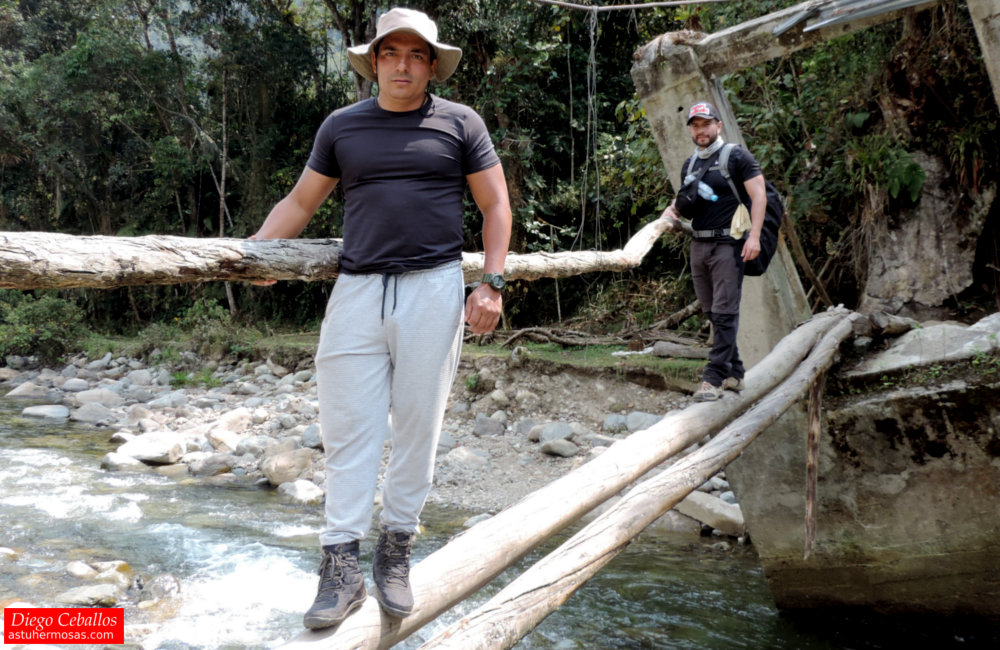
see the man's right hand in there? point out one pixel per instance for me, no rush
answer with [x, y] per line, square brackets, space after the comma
[672, 213]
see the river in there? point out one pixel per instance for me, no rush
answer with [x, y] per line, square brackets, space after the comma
[246, 563]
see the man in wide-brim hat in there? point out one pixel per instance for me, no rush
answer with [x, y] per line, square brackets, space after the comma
[390, 342]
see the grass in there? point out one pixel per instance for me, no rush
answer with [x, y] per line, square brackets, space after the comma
[599, 357]
[289, 349]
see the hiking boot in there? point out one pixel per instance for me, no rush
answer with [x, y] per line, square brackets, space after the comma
[341, 587]
[708, 392]
[733, 383]
[391, 569]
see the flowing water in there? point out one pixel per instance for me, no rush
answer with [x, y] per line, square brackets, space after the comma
[245, 561]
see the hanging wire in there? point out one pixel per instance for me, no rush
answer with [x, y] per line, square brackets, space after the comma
[591, 144]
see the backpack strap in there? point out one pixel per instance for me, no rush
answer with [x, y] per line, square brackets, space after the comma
[688, 165]
[723, 167]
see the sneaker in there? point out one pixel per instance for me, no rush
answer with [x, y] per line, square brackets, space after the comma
[341, 587]
[733, 383]
[391, 570]
[708, 392]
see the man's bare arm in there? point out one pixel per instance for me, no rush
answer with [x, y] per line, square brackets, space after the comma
[291, 215]
[489, 189]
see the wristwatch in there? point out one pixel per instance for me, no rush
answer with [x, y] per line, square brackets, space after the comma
[494, 280]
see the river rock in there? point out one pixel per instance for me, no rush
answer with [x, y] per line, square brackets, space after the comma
[75, 385]
[237, 420]
[639, 421]
[276, 370]
[446, 442]
[464, 458]
[104, 595]
[302, 491]
[6, 374]
[116, 462]
[92, 413]
[159, 587]
[486, 426]
[224, 440]
[81, 570]
[99, 364]
[47, 411]
[288, 466]
[313, 436]
[714, 512]
[173, 399]
[28, 390]
[157, 448]
[16, 361]
[101, 396]
[208, 464]
[255, 445]
[615, 423]
[555, 431]
[117, 573]
[560, 447]
[142, 377]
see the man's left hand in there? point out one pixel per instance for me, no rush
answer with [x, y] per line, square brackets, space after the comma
[751, 248]
[482, 309]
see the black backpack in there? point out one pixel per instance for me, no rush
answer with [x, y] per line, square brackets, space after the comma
[772, 215]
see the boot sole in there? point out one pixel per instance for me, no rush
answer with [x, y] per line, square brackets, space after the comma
[389, 609]
[319, 623]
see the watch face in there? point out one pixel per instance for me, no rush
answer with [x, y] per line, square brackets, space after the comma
[495, 280]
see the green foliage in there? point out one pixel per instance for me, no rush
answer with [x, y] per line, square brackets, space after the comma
[878, 160]
[45, 326]
[203, 378]
[116, 117]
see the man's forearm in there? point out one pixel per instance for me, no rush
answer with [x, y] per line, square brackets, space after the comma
[496, 238]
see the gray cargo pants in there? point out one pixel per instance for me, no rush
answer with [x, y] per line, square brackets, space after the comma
[717, 271]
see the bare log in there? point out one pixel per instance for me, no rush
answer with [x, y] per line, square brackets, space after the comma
[892, 325]
[450, 574]
[37, 260]
[568, 263]
[525, 602]
[812, 459]
[562, 337]
[678, 350]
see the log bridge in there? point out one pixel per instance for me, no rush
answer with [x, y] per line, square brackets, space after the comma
[46, 260]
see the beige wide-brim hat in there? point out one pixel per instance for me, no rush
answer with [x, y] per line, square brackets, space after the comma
[414, 22]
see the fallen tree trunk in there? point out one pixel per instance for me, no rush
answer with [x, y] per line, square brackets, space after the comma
[450, 574]
[36, 260]
[536, 593]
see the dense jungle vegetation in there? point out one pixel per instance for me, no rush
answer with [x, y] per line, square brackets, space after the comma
[193, 117]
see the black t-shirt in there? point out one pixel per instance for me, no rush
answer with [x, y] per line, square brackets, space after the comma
[403, 175]
[709, 215]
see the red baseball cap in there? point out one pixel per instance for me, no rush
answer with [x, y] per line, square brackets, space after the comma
[703, 109]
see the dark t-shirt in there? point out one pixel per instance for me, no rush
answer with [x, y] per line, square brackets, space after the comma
[403, 175]
[709, 215]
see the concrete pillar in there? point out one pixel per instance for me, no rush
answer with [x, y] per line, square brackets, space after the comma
[669, 78]
[986, 18]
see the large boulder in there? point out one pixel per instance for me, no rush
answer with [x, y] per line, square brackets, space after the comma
[289, 466]
[157, 448]
[101, 396]
[925, 259]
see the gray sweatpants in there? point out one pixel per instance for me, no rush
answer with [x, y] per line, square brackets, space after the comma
[388, 351]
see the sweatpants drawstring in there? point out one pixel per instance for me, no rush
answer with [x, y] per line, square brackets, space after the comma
[385, 289]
